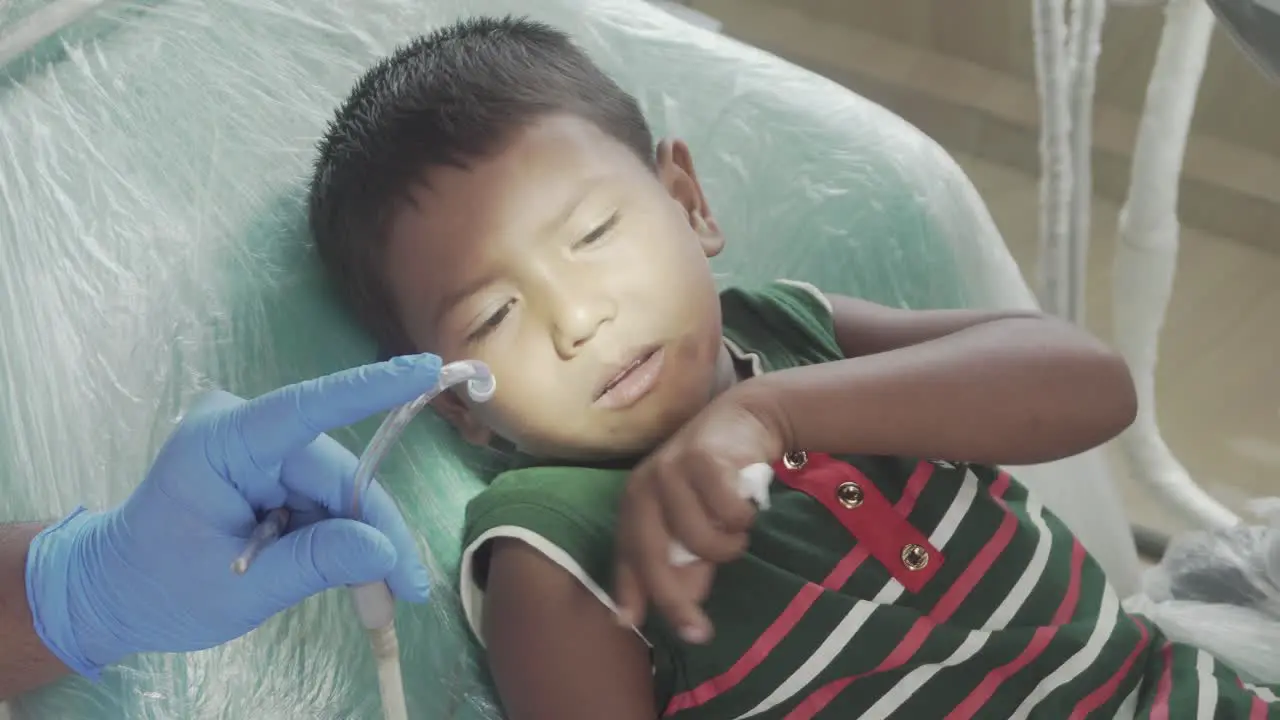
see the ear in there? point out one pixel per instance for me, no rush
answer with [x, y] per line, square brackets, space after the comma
[455, 411]
[675, 170]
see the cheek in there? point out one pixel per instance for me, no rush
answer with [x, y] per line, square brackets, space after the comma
[525, 397]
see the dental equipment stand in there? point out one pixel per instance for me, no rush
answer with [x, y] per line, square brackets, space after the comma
[1151, 239]
[374, 605]
[1147, 244]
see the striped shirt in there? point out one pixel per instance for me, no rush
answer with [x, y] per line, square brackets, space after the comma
[874, 586]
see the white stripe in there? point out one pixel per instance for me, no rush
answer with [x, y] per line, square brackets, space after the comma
[815, 292]
[1013, 602]
[908, 685]
[902, 691]
[757, 368]
[1266, 694]
[960, 507]
[1081, 660]
[1207, 693]
[857, 617]
[835, 642]
[473, 595]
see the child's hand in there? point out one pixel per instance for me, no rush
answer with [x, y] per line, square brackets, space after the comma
[686, 492]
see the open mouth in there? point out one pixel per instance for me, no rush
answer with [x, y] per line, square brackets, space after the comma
[633, 381]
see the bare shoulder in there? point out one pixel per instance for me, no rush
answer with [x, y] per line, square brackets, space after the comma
[554, 647]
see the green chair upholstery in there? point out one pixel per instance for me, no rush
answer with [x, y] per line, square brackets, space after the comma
[153, 159]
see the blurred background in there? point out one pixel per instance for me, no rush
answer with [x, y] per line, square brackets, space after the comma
[964, 72]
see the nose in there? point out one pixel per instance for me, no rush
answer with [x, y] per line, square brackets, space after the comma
[577, 315]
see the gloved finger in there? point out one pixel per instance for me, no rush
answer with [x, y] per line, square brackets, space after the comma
[328, 554]
[322, 476]
[304, 511]
[409, 579]
[286, 420]
[323, 473]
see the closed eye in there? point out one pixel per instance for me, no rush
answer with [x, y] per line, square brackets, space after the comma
[491, 323]
[600, 231]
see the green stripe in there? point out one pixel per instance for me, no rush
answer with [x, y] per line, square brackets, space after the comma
[798, 534]
[1055, 581]
[1120, 644]
[939, 493]
[1233, 701]
[951, 686]
[1239, 699]
[996, 583]
[1067, 640]
[973, 532]
[859, 696]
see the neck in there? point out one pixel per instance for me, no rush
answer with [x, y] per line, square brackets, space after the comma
[728, 371]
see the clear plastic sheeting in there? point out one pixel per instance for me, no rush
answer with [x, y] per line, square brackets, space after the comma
[1220, 590]
[153, 158]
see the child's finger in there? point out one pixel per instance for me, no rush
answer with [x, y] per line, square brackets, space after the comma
[692, 527]
[716, 484]
[629, 595]
[661, 585]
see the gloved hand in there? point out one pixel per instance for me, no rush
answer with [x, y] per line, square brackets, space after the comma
[154, 575]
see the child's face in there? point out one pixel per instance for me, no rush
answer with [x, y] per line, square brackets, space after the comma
[562, 261]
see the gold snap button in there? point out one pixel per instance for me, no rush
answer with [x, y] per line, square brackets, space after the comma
[915, 557]
[795, 460]
[849, 495]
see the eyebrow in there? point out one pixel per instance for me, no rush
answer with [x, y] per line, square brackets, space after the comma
[589, 187]
[451, 300]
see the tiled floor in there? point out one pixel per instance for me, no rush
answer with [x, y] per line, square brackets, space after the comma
[1218, 384]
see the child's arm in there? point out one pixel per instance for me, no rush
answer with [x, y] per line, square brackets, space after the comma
[991, 388]
[556, 651]
[988, 388]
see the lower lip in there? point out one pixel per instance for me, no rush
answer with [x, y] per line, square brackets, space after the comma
[638, 383]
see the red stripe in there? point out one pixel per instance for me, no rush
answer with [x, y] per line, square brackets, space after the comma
[1160, 708]
[876, 523]
[981, 562]
[1040, 640]
[794, 611]
[1258, 706]
[1000, 486]
[821, 697]
[1258, 710]
[919, 632]
[1068, 607]
[1104, 693]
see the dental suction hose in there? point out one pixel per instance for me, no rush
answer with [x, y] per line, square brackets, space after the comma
[374, 605]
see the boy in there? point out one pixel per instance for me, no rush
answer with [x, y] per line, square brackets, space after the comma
[488, 193]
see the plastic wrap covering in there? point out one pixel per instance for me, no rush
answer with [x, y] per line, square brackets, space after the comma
[152, 166]
[1220, 590]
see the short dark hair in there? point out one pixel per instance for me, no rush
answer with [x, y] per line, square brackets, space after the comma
[447, 98]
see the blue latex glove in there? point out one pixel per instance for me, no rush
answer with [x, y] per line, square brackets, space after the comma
[154, 575]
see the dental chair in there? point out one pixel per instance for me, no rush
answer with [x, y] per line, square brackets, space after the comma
[153, 159]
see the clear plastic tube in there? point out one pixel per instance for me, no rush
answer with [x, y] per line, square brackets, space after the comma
[374, 605]
[480, 386]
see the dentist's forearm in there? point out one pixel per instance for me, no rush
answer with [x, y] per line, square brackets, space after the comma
[1015, 391]
[25, 662]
